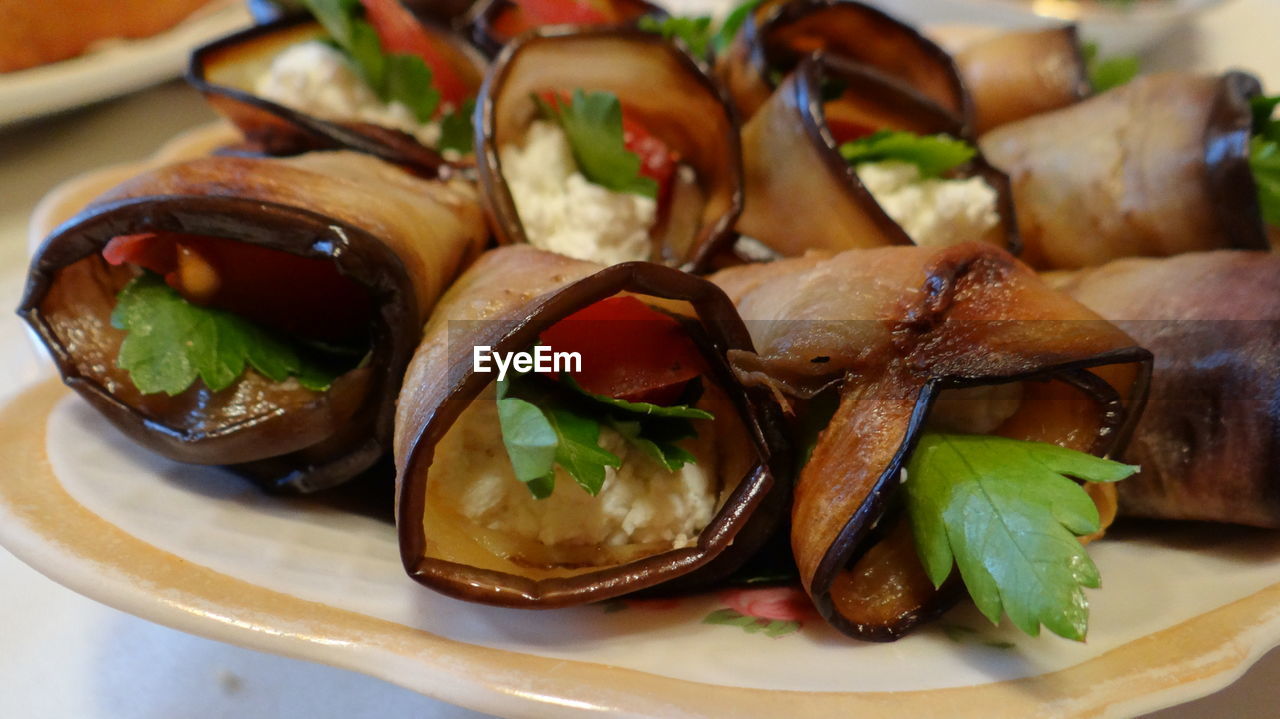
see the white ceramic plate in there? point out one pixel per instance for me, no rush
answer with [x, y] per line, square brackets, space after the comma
[1184, 611]
[116, 68]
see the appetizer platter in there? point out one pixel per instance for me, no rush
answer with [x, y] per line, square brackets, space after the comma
[795, 360]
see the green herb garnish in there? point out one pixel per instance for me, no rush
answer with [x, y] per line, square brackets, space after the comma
[171, 342]
[1008, 515]
[733, 22]
[694, 32]
[932, 154]
[1111, 72]
[394, 77]
[456, 131]
[546, 423]
[592, 121]
[1264, 157]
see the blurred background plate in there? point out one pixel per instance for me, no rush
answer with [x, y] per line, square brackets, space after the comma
[116, 68]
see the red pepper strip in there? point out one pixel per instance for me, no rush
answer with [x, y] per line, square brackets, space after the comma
[657, 160]
[400, 32]
[629, 351]
[298, 295]
[529, 14]
[845, 124]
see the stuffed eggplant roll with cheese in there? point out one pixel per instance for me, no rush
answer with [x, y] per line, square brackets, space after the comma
[1209, 441]
[618, 454]
[494, 23]
[257, 313]
[780, 33]
[364, 75]
[841, 157]
[946, 400]
[1015, 75]
[1157, 167]
[609, 146]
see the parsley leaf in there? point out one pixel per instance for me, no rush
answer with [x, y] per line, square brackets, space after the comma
[1008, 514]
[733, 22]
[394, 77]
[546, 423]
[1111, 72]
[932, 154]
[694, 32]
[171, 342]
[456, 130]
[1264, 157]
[592, 121]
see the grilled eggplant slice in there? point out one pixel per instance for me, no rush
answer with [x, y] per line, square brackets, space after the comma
[963, 338]
[1157, 167]
[492, 24]
[390, 240]
[666, 91]
[801, 194]
[506, 301]
[227, 71]
[1209, 440]
[779, 34]
[1015, 75]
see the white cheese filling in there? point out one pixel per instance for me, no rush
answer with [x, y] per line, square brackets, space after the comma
[317, 79]
[564, 212]
[934, 212]
[640, 503]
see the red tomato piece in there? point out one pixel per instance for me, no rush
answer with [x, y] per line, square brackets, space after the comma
[845, 124]
[299, 295]
[566, 12]
[400, 32]
[657, 160]
[629, 351]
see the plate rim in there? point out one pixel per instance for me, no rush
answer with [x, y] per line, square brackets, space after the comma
[48, 529]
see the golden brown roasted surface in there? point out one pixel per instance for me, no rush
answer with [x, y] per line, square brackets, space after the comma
[1015, 75]
[401, 238]
[1209, 440]
[1154, 168]
[35, 32]
[505, 300]
[887, 329]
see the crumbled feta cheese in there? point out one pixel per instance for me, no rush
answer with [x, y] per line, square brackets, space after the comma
[317, 79]
[564, 212]
[934, 212]
[641, 502]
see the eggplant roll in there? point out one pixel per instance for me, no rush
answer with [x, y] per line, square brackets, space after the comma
[801, 194]
[492, 24]
[535, 191]
[905, 340]
[1209, 440]
[779, 34]
[1157, 167]
[1015, 75]
[328, 248]
[290, 92]
[469, 528]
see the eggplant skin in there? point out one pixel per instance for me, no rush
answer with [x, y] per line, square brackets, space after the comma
[1157, 167]
[1209, 441]
[1016, 75]
[478, 23]
[691, 115]
[224, 69]
[781, 33]
[404, 250]
[504, 301]
[802, 195]
[894, 327]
